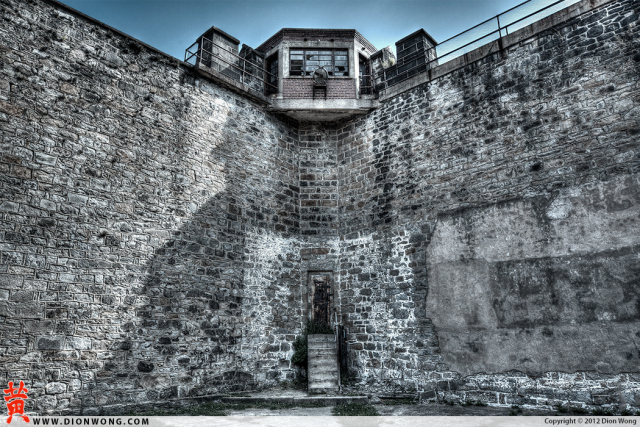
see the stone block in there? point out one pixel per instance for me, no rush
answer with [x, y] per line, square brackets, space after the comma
[46, 159]
[22, 310]
[78, 343]
[50, 342]
[9, 207]
[55, 388]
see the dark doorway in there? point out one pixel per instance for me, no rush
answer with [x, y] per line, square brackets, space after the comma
[366, 87]
[321, 300]
[271, 80]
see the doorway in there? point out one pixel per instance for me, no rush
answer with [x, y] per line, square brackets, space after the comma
[366, 81]
[320, 286]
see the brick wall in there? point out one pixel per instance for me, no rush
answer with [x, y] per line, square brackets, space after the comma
[303, 89]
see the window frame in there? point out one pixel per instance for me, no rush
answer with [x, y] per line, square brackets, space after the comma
[320, 52]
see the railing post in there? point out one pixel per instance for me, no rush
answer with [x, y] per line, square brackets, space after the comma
[500, 34]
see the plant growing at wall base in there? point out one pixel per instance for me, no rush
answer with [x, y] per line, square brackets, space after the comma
[299, 357]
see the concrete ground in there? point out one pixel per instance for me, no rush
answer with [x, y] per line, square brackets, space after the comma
[441, 409]
[425, 409]
[383, 406]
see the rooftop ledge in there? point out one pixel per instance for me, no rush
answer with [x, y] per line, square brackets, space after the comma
[313, 110]
[322, 109]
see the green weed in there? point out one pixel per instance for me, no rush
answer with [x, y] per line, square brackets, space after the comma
[222, 409]
[355, 410]
[403, 401]
[600, 411]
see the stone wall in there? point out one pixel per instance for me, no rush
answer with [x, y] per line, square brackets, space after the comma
[318, 208]
[490, 221]
[149, 222]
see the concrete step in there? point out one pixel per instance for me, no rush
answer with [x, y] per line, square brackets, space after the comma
[321, 338]
[327, 390]
[322, 370]
[324, 353]
[315, 354]
[324, 360]
[325, 374]
[311, 348]
[323, 384]
[322, 345]
[322, 380]
[328, 400]
[323, 363]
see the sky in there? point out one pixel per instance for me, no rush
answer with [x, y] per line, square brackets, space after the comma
[173, 25]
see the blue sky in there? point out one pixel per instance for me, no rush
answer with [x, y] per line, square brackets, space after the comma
[172, 25]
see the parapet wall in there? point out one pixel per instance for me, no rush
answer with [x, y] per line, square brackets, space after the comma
[157, 230]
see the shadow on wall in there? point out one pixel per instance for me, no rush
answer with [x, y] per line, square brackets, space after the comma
[181, 333]
[216, 309]
[188, 330]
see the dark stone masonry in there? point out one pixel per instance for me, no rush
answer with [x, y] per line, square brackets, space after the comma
[480, 228]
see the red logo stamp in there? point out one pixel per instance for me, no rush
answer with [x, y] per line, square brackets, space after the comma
[15, 401]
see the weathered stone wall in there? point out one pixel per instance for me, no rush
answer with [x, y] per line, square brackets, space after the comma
[149, 222]
[490, 221]
[318, 208]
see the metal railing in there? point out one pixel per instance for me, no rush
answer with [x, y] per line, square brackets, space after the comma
[366, 84]
[497, 34]
[234, 66]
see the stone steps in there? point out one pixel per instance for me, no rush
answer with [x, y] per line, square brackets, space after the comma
[322, 364]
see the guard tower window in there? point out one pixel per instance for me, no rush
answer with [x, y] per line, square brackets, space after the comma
[304, 62]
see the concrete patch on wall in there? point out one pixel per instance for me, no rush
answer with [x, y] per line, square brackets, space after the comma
[540, 284]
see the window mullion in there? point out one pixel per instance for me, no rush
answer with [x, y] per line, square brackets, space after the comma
[333, 63]
[325, 58]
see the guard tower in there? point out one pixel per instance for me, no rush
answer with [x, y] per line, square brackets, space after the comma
[323, 74]
[307, 74]
[311, 74]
